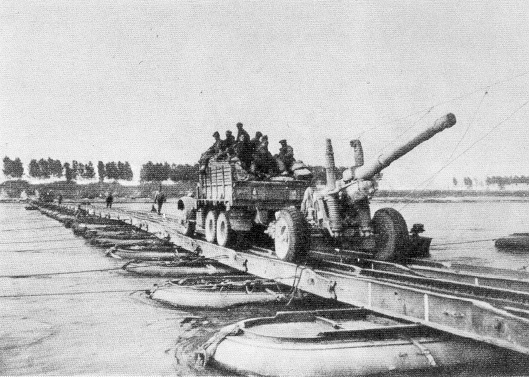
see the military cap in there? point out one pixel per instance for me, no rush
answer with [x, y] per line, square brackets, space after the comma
[258, 134]
[239, 124]
[265, 137]
[216, 133]
[282, 141]
[228, 132]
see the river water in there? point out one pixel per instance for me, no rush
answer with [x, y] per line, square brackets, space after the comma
[100, 322]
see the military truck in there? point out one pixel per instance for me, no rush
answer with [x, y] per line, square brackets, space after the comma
[228, 203]
[292, 213]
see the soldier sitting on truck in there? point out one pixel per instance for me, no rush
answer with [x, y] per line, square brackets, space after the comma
[229, 142]
[241, 132]
[226, 147]
[264, 165]
[285, 158]
[254, 143]
[243, 151]
[212, 151]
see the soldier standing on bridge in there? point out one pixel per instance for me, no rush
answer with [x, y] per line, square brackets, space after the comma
[109, 200]
[160, 199]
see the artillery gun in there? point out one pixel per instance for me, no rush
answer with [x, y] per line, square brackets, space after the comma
[341, 212]
[294, 214]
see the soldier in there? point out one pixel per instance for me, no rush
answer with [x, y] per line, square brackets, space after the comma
[160, 199]
[243, 151]
[264, 164]
[109, 200]
[254, 143]
[285, 158]
[212, 151]
[230, 141]
[241, 133]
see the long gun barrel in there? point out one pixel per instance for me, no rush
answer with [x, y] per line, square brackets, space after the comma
[369, 170]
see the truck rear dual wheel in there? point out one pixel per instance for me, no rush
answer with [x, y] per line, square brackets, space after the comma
[292, 236]
[218, 228]
[391, 234]
[224, 231]
[210, 227]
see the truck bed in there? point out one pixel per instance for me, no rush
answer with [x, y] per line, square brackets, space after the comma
[225, 182]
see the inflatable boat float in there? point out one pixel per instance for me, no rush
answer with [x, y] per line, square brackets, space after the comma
[337, 342]
[218, 293]
[515, 241]
[177, 269]
[142, 254]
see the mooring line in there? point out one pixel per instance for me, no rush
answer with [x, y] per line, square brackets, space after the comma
[37, 240]
[47, 249]
[74, 293]
[427, 181]
[463, 242]
[22, 229]
[60, 273]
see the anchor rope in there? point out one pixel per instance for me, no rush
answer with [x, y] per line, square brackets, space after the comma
[464, 242]
[73, 293]
[470, 124]
[60, 273]
[404, 132]
[40, 241]
[36, 228]
[468, 94]
[48, 249]
[427, 181]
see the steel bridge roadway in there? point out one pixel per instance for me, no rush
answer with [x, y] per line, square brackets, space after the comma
[484, 304]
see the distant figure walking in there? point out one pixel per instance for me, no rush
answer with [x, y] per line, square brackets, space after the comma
[109, 200]
[59, 199]
[159, 199]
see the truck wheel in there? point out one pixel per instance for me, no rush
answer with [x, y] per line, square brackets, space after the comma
[291, 236]
[186, 216]
[188, 227]
[224, 231]
[391, 234]
[210, 228]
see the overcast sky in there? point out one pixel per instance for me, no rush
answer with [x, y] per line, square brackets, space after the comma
[152, 80]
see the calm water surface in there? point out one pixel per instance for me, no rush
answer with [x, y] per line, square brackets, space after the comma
[101, 322]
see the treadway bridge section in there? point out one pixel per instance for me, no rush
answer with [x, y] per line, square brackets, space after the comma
[498, 316]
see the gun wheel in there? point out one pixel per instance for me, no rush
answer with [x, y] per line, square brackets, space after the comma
[211, 226]
[291, 237]
[391, 234]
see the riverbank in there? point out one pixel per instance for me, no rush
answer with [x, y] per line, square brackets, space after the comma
[96, 192]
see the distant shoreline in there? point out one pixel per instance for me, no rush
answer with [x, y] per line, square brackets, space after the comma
[11, 191]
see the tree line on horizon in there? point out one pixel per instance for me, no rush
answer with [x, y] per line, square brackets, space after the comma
[157, 172]
[47, 168]
[500, 181]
